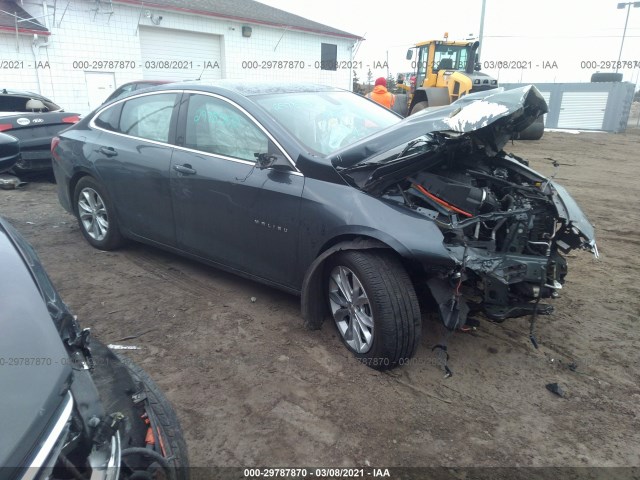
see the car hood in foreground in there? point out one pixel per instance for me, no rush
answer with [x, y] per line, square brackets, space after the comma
[492, 117]
[34, 369]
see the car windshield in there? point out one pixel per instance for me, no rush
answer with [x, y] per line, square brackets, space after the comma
[327, 121]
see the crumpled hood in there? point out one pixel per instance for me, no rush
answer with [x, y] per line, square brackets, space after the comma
[492, 117]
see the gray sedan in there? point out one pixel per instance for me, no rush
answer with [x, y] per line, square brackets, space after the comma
[324, 194]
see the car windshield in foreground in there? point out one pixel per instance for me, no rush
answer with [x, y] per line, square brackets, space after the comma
[327, 121]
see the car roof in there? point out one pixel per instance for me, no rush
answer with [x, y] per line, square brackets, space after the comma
[249, 88]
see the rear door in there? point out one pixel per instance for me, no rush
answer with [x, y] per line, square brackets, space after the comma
[228, 210]
[133, 158]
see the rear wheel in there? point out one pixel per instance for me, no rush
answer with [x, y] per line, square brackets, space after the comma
[374, 306]
[96, 215]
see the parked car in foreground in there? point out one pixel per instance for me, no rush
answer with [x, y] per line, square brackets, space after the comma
[34, 120]
[69, 407]
[324, 194]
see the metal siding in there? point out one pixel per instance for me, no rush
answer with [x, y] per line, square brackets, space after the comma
[162, 44]
[583, 110]
[547, 97]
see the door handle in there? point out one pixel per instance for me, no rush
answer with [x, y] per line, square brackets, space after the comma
[184, 169]
[108, 151]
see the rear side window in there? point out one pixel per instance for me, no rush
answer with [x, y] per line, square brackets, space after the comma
[17, 103]
[148, 117]
[110, 118]
[215, 126]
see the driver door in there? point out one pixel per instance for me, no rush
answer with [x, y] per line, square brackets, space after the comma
[228, 210]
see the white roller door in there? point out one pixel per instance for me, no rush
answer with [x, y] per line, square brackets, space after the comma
[169, 54]
[583, 110]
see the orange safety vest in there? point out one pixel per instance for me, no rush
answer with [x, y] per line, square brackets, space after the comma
[382, 96]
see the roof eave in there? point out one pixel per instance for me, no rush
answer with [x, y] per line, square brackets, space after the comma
[24, 31]
[236, 18]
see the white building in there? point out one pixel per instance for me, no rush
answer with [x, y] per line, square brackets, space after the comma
[76, 52]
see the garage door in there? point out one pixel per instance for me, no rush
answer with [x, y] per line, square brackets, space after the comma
[179, 55]
[583, 110]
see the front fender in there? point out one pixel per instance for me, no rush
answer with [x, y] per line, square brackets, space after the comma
[314, 307]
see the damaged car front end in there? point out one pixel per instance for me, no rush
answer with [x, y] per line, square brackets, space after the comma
[506, 228]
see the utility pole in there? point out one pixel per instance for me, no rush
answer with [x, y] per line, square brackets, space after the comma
[626, 5]
[480, 37]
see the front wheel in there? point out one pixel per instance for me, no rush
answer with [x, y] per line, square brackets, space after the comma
[374, 306]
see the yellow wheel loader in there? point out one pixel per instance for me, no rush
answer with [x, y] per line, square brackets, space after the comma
[444, 71]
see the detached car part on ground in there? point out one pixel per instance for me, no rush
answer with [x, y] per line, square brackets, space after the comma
[34, 120]
[324, 194]
[70, 408]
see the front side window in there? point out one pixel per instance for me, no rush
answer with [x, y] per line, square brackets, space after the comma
[148, 117]
[215, 126]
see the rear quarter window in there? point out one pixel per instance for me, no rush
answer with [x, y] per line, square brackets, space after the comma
[110, 118]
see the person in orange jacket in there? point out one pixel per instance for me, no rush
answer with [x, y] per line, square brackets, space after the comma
[381, 95]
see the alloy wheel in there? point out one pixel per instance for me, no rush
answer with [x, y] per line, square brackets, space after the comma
[351, 309]
[93, 214]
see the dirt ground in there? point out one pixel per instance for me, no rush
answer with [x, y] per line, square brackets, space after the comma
[252, 387]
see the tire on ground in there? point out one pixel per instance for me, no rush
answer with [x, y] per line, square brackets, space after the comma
[113, 239]
[394, 305]
[533, 131]
[418, 107]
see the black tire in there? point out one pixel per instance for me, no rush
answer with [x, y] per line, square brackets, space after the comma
[117, 378]
[391, 307]
[418, 107]
[103, 232]
[533, 131]
[168, 423]
[606, 77]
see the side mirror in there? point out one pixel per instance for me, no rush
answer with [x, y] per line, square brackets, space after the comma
[409, 54]
[272, 160]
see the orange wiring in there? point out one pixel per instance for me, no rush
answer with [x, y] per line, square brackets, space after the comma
[441, 202]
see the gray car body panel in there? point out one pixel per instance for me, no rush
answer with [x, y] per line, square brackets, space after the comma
[317, 210]
[36, 371]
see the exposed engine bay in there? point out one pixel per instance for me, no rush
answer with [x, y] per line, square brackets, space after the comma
[505, 225]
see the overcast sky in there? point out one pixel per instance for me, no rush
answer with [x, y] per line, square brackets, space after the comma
[542, 32]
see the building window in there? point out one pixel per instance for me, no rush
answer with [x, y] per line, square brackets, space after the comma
[328, 56]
